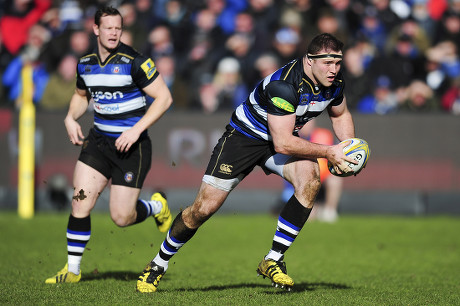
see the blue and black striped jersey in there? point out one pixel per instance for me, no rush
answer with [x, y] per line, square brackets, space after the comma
[286, 91]
[116, 87]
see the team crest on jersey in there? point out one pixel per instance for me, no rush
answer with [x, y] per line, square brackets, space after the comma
[328, 94]
[129, 176]
[283, 104]
[116, 69]
[87, 69]
[304, 98]
[149, 68]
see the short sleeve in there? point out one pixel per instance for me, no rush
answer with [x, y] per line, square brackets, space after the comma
[144, 71]
[80, 83]
[282, 98]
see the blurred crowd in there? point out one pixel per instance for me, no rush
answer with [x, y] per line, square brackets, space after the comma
[400, 56]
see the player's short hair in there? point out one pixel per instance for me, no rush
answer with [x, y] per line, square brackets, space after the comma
[106, 11]
[324, 42]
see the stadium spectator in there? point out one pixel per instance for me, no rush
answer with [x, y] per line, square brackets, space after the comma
[356, 62]
[302, 13]
[382, 100]
[418, 98]
[29, 55]
[167, 67]
[262, 132]
[265, 14]
[448, 28]
[413, 33]
[177, 19]
[422, 24]
[264, 65]
[348, 14]
[450, 101]
[136, 22]
[118, 147]
[442, 66]
[421, 14]
[372, 29]
[159, 43]
[285, 44]
[61, 85]
[76, 42]
[17, 21]
[226, 91]
[386, 15]
[402, 65]
[327, 22]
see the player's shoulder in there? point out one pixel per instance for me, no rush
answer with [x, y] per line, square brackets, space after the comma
[88, 59]
[292, 72]
[129, 51]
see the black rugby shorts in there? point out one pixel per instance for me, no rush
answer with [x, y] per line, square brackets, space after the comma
[126, 169]
[236, 155]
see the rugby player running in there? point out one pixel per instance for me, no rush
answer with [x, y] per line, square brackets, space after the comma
[118, 147]
[263, 131]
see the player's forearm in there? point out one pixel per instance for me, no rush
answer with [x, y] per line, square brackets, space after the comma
[78, 106]
[153, 114]
[343, 126]
[301, 148]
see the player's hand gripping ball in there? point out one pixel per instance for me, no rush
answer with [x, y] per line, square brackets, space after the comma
[358, 149]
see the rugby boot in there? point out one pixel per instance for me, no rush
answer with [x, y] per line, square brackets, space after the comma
[276, 271]
[163, 219]
[150, 278]
[64, 276]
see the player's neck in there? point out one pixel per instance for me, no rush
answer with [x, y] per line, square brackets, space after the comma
[104, 53]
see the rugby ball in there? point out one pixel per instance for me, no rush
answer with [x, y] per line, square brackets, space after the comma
[358, 149]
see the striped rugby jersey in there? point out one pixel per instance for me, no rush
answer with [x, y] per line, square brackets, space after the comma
[286, 91]
[116, 87]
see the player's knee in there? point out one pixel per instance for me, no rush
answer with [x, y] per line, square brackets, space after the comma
[307, 190]
[200, 213]
[121, 220]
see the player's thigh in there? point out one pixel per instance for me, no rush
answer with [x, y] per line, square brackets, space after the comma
[123, 200]
[304, 175]
[88, 184]
[301, 171]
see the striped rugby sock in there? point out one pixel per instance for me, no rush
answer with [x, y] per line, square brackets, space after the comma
[145, 209]
[177, 236]
[291, 220]
[78, 234]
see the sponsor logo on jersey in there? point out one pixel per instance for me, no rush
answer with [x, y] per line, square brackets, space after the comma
[84, 60]
[107, 108]
[225, 169]
[283, 104]
[129, 176]
[149, 68]
[98, 95]
[125, 59]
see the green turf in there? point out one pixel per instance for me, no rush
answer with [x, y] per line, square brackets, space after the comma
[360, 260]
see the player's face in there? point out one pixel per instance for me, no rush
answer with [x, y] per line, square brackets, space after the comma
[109, 32]
[325, 70]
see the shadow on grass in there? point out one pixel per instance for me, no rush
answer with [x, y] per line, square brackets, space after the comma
[298, 287]
[117, 275]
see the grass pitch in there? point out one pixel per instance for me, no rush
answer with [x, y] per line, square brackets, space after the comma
[360, 260]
